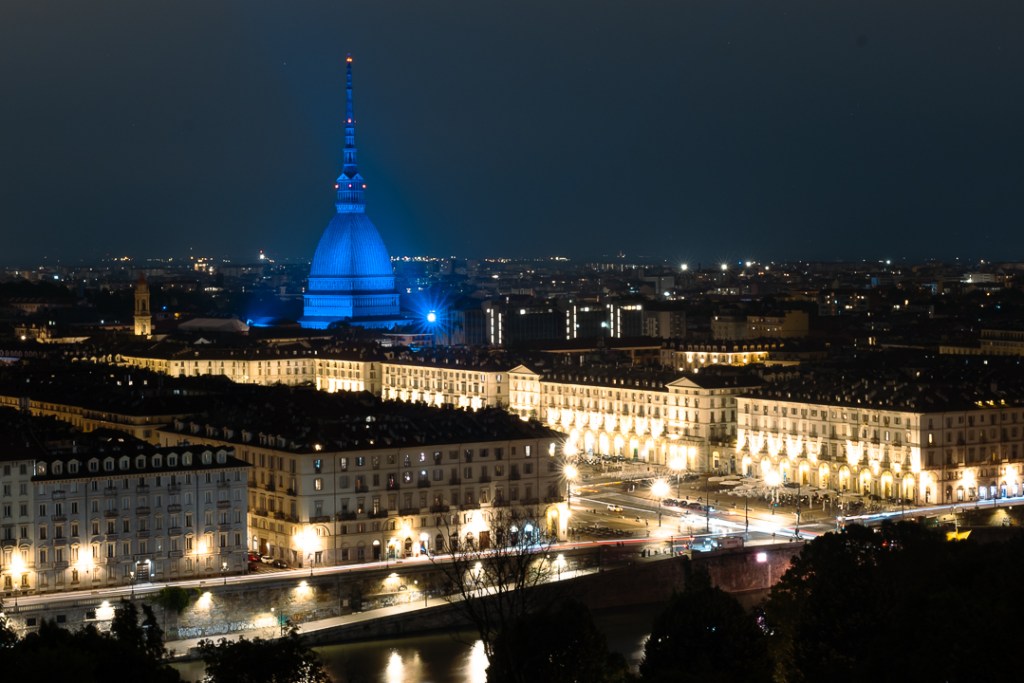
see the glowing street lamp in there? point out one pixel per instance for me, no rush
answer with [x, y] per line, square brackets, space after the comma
[677, 464]
[660, 489]
[570, 472]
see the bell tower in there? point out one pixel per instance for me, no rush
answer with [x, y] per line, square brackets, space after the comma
[143, 314]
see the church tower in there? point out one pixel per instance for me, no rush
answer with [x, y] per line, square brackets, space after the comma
[351, 279]
[143, 313]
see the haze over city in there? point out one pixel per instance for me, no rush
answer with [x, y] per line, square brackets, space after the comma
[698, 131]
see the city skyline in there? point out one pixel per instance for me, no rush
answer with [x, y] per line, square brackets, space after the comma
[697, 133]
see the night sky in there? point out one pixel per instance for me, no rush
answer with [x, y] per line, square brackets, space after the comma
[684, 129]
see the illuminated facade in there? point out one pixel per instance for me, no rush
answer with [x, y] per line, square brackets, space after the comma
[263, 366]
[924, 456]
[322, 505]
[460, 386]
[93, 519]
[351, 279]
[687, 423]
[686, 358]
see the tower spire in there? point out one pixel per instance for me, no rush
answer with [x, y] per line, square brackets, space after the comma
[350, 184]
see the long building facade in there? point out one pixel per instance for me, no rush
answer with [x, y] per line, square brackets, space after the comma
[119, 513]
[902, 443]
[321, 503]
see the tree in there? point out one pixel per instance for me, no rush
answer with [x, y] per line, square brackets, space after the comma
[284, 660]
[90, 656]
[705, 635]
[492, 586]
[147, 637]
[893, 600]
[8, 637]
[560, 644]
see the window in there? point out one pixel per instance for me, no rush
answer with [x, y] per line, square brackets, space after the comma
[318, 483]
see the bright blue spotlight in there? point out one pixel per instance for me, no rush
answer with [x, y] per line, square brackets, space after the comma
[432, 317]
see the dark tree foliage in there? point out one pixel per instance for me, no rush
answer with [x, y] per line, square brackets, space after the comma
[900, 603]
[85, 656]
[7, 635]
[558, 645]
[285, 660]
[705, 635]
[174, 598]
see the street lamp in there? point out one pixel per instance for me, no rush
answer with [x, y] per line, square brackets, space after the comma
[570, 472]
[131, 580]
[660, 490]
[677, 464]
[224, 571]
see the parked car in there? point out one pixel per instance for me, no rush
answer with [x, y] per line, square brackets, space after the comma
[615, 508]
[253, 557]
[266, 559]
[280, 564]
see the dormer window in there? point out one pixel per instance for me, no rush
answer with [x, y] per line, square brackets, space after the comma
[222, 457]
[186, 459]
[94, 465]
[207, 457]
[125, 463]
[108, 465]
[157, 460]
[172, 460]
[140, 462]
[40, 469]
[73, 467]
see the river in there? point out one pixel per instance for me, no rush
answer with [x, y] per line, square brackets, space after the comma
[451, 658]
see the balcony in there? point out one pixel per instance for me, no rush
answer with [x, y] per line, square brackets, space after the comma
[440, 508]
[470, 506]
[379, 514]
[346, 516]
[362, 489]
[110, 513]
[423, 484]
[223, 504]
[408, 512]
[174, 554]
[174, 531]
[173, 509]
[142, 510]
[270, 487]
[59, 518]
[320, 519]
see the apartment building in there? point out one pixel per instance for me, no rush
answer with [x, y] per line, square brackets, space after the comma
[84, 511]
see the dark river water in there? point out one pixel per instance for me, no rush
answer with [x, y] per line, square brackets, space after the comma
[451, 658]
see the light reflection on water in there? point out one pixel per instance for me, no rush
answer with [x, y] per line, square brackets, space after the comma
[452, 657]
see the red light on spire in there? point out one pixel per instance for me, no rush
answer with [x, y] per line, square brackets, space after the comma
[335, 186]
[348, 60]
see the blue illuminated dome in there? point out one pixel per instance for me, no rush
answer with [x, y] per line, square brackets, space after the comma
[351, 279]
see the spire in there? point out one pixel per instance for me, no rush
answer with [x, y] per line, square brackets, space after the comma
[350, 184]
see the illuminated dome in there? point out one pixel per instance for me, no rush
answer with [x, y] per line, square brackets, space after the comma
[351, 279]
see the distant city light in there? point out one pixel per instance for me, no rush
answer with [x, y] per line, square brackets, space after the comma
[432, 317]
[685, 266]
[725, 266]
